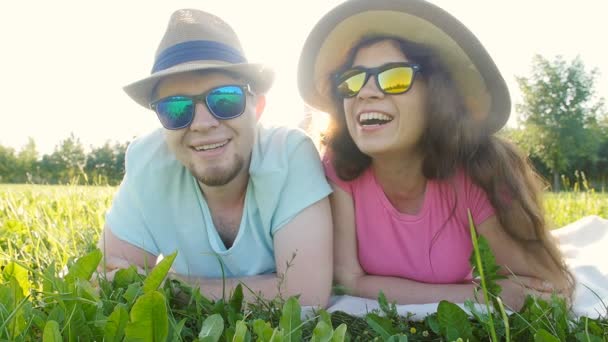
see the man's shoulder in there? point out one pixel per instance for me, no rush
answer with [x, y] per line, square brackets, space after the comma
[280, 139]
[149, 155]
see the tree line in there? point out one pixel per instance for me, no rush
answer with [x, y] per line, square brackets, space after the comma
[563, 123]
[562, 126]
[69, 163]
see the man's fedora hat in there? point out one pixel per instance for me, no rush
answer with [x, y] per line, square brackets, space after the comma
[196, 40]
[478, 79]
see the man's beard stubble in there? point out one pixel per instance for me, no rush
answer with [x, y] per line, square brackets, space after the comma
[215, 177]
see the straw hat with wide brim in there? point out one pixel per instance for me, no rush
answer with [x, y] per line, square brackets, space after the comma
[475, 74]
[197, 41]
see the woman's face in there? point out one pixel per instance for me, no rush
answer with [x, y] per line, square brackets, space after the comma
[382, 124]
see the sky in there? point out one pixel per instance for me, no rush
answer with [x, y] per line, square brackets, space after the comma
[63, 63]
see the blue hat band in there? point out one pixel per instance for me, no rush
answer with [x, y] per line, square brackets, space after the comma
[196, 50]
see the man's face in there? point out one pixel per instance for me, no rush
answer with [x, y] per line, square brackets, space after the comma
[215, 151]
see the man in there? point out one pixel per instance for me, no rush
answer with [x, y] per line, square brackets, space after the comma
[230, 196]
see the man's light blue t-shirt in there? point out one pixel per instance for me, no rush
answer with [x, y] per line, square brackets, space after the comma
[159, 206]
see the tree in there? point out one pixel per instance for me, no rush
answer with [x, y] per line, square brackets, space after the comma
[27, 160]
[559, 107]
[106, 164]
[66, 163]
[602, 157]
[8, 164]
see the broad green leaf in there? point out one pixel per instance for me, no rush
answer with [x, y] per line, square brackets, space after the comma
[84, 267]
[57, 313]
[16, 289]
[76, 324]
[212, 329]
[158, 273]
[219, 307]
[381, 325]
[177, 329]
[132, 292]
[236, 301]
[591, 326]
[229, 332]
[263, 330]
[85, 290]
[51, 332]
[322, 332]
[453, 321]
[38, 319]
[114, 330]
[149, 320]
[339, 333]
[325, 317]
[397, 338]
[12, 294]
[278, 335]
[241, 333]
[234, 307]
[125, 277]
[587, 337]
[7, 299]
[14, 270]
[559, 316]
[49, 280]
[431, 322]
[291, 320]
[543, 335]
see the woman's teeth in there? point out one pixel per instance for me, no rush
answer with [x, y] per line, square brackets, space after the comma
[374, 119]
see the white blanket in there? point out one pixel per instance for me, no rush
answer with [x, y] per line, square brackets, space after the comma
[585, 247]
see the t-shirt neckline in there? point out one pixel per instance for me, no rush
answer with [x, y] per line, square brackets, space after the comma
[215, 241]
[396, 213]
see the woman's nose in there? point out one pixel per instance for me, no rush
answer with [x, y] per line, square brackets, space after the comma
[370, 89]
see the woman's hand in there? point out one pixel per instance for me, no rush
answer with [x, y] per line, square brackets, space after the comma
[516, 288]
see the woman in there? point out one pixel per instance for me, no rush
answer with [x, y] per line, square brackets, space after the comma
[415, 102]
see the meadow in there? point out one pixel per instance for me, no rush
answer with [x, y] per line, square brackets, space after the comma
[44, 229]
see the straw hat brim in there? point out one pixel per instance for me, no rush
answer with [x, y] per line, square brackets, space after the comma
[260, 76]
[473, 70]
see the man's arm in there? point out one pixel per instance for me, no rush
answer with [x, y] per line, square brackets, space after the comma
[309, 236]
[121, 254]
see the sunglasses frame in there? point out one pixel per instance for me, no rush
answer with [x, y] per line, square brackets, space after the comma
[202, 98]
[340, 77]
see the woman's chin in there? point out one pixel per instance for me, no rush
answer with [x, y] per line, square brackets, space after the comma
[374, 149]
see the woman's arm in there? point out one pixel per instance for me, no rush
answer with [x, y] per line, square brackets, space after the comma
[348, 271]
[516, 261]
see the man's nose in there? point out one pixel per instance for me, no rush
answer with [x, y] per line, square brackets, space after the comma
[203, 119]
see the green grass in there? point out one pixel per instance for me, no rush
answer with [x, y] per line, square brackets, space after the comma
[567, 207]
[48, 227]
[44, 224]
[40, 224]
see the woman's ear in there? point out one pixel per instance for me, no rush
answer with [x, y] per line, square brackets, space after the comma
[260, 105]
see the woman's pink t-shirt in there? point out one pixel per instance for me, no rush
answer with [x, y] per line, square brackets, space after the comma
[432, 246]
